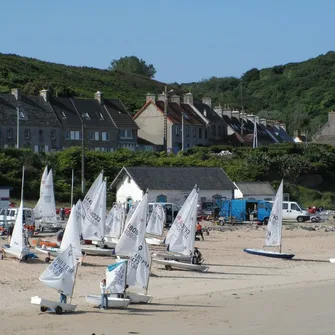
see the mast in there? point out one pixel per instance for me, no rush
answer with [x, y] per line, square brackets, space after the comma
[146, 289]
[72, 181]
[75, 266]
[125, 280]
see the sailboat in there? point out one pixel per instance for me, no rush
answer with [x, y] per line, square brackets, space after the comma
[132, 244]
[116, 275]
[46, 205]
[155, 225]
[114, 223]
[181, 237]
[274, 230]
[59, 275]
[93, 227]
[38, 206]
[17, 245]
[71, 237]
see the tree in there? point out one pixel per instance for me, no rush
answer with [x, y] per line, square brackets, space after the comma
[133, 65]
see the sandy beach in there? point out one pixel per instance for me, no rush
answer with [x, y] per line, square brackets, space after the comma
[241, 293]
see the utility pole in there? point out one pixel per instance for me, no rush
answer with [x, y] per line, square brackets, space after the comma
[17, 127]
[82, 158]
[182, 131]
[165, 119]
[242, 110]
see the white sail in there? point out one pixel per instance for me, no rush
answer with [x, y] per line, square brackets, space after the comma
[156, 220]
[134, 233]
[48, 204]
[17, 241]
[91, 192]
[139, 267]
[131, 212]
[79, 215]
[94, 222]
[71, 234]
[114, 221]
[38, 207]
[274, 227]
[181, 235]
[60, 274]
[116, 277]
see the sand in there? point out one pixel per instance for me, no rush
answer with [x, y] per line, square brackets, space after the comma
[241, 293]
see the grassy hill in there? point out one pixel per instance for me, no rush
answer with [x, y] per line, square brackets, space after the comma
[300, 94]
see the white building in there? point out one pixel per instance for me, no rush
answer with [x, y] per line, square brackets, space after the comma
[258, 190]
[171, 184]
[4, 196]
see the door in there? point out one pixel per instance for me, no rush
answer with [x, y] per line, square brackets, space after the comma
[287, 212]
[295, 210]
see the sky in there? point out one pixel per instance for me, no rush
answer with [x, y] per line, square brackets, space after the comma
[185, 40]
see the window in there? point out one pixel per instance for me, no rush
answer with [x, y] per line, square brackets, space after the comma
[285, 205]
[194, 132]
[187, 131]
[86, 116]
[220, 130]
[295, 207]
[161, 198]
[104, 136]
[206, 133]
[63, 115]
[126, 133]
[10, 133]
[177, 131]
[27, 134]
[200, 133]
[21, 114]
[96, 136]
[75, 135]
[53, 134]
[214, 130]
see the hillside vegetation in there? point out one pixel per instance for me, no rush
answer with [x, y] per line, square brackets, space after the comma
[308, 171]
[300, 94]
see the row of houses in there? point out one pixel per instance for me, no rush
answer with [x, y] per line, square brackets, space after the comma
[48, 123]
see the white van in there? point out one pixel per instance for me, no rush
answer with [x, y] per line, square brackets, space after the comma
[171, 211]
[292, 211]
[8, 216]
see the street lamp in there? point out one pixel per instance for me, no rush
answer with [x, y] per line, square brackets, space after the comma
[165, 117]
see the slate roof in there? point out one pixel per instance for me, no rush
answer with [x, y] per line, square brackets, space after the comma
[177, 178]
[211, 115]
[37, 112]
[120, 116]
[175, 112]
[256, 188]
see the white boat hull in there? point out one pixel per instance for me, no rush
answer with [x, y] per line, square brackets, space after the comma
[54, 252]
[154, 241]
[113, 302]
[19, 254]
[95, 251]
[332, 260]
[169, 264]
[139, 298]
[176, 257]
[45, 304]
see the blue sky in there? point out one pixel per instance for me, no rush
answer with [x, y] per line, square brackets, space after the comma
[186, 40]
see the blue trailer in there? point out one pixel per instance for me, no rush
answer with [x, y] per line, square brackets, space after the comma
[242, 210]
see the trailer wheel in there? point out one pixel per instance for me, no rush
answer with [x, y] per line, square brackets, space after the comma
[47, 259]
[43, 309]
[59, 310]
[168, 267]
[266, 221]
[221, 222]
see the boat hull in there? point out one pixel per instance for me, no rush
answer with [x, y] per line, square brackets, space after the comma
[53, 305]
[175, 257]
[97, 251]
[19, 254]
[154, 241]
[332, 260]
[113, 302]
[267, 253]
[170, 264]
[54, 252]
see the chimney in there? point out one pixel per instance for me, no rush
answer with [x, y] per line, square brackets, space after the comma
[218, 110]
[207, 101]
[283, 125]
[263, 122]
[176, 98]
[188, 98]
[17, 93]
[161, 97]
[99, 96]
[243, 116]
[151, 97]
[331, 117]
[45, 94]
[235, 114]
[227, 111]
[257, 118]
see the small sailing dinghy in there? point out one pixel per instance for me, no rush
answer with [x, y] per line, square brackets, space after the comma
[93, 227]
[59, 275]
[274, 230]
[17, 246]
[181, 237]
[155, 225]
[71, 237]
[132, 244]
[116, 284]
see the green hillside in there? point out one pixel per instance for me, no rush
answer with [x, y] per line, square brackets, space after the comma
[300, 94]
